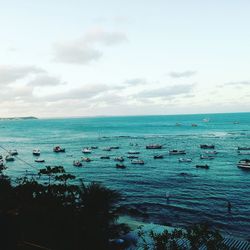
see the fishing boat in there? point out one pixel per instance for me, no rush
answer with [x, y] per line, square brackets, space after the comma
[120, 166]
[132, 157]
[244, 164]
[39, 160]
[206, 157]
[244, 153]
[58, 149]
[77, 164]
[158, 156]
[206, 146]
[177, 152]
[133, 152]
[106, 149]
[13, 152]
[86, 150]
[154, 146]
[243, 148]
[36, 152]
[120, 159]
[139, 162]
[1, 163]
[9, 158]
[86, 159]
[214, 152]
[185, 160]
[105, 157]
[202, 166]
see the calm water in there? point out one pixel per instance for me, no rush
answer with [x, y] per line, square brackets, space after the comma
[200, 196]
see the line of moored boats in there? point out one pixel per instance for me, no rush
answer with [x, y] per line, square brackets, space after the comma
[209, 154]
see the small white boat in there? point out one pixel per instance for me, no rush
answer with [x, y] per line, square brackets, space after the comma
[13, 152]
[121, 159]
[185, 160]
[114, 147]
[39, 160]
[138, 162]
[106, 149]
[36, 152]
[86, 151]
[244, 164]
[133, 152]
[214, 152]
[206, 157]
[1, 163]
[177, 152]
[9, 158]
[86, 159]
[206, 120]
[77, 164]
[243, 153]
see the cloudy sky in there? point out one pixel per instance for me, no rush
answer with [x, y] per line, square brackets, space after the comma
[65, 58]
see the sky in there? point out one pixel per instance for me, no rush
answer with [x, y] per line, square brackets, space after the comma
[74, 58]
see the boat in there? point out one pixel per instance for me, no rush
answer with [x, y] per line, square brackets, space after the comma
[194, 125]
[154, 146]
[86, 151]
[114, 147]
[139, 162]
[86, 159]
[206, 120]
[202, 166]
[206, 146]
[94, 147]
[105, 157]
[58, 149]
[13, 152]
[243, 148]
[121, 159]
[77, 164]
[36, 152]
[132, 157]
[214, 152]
[120, 166]
[1, 163]
[1, 157]
[177, 152]
[158, 156]
[39, 160]
[9, 158]
[206, 157]
[243, 153]
[106, 149]
[244, 163]
[185, 160]
[133, 152]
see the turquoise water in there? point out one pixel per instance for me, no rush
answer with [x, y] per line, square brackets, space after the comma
[199, 195]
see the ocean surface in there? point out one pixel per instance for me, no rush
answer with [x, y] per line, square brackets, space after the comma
[198, 195]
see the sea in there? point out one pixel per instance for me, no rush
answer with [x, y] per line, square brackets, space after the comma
[163, 191]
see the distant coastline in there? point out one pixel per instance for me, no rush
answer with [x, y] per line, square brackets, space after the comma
[19, 118]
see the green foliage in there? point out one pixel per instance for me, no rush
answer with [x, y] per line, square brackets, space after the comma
[60, 215]
[193, 238]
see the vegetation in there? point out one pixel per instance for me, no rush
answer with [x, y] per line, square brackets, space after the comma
[56, 214]
[192, 238]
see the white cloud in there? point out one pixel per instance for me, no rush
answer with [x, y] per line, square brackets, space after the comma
[45, 80]
[187, 73]
[10, 74]
[84, 50]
